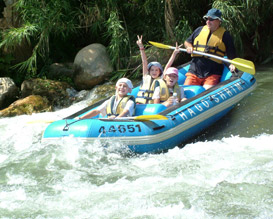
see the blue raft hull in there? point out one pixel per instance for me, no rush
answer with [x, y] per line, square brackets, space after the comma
[185, 120]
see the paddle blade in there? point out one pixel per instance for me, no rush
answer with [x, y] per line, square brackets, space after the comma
[244, 65]
[40, 121]
[160, 45]
[150, 117]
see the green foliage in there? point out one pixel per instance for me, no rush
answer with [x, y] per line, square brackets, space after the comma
[118, 36]
[15, 36]
[5, 63]
[57, 29]
[250, 23]
[40, 20]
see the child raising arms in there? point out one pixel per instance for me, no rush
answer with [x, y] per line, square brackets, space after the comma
[151, 73]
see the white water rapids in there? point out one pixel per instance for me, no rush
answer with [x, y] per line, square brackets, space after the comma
[227, 178]
[223, 174]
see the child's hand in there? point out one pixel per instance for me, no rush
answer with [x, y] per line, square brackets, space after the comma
[170, 101]
[177, 48]
[139, 41]
[232, 68]
[112, 117]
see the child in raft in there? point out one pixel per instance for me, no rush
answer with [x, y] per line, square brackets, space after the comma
[164, 93]
[119, 105]
[151, 72]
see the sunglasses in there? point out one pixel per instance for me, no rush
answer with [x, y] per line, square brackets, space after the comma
[209, 19]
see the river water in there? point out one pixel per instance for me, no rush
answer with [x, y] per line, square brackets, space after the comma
[226, 172]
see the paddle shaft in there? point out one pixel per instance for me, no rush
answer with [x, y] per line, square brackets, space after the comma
[118, 118]
[241, 64]
[138, 118]
[204, 54]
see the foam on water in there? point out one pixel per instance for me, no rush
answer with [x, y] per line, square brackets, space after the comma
[231, 177]
[228, 176]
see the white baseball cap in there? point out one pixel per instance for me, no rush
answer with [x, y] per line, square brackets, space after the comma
[127, 81]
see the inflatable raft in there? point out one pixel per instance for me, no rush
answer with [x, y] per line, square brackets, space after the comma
[155, 128]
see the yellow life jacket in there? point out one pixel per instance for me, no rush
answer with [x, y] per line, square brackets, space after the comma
[164, 90]
[213, 45]
[145, 92]
[120, 107]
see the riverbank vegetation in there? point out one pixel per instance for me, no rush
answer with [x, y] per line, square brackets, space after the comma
[48, 31]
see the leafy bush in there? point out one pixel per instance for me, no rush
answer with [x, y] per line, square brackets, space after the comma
[57, 30]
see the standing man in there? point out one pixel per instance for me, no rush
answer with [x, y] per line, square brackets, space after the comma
[213, 39]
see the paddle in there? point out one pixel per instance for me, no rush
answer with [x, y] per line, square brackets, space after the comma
[241, 64]
[40, 121]
[137, 118]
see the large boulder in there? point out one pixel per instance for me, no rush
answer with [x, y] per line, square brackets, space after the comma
[28, 105]
[8, 92]
[101, 92]
[93, 66]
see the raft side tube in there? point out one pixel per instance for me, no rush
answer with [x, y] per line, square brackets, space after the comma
[149, 109]
[192, 90]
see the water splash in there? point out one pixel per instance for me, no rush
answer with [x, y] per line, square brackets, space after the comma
[226, 175]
